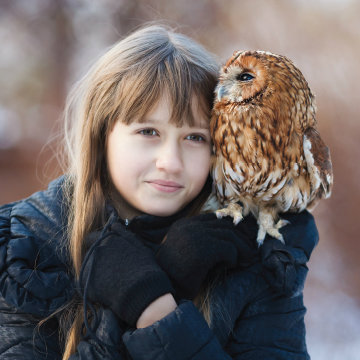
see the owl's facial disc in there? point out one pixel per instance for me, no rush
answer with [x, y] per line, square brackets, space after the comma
[221, 92]
[242, 82]
[234, 80]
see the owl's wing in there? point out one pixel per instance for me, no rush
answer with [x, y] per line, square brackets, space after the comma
[318, 160]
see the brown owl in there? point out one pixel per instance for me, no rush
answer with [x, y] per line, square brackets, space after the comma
[268, 153]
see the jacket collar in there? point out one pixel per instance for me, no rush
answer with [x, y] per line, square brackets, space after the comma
[150, 227]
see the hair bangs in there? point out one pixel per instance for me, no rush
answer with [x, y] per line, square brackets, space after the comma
[188, 87]
[186, 84]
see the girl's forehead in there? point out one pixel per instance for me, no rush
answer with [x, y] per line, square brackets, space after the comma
[201, 122]
[198, 122]
[163, 110]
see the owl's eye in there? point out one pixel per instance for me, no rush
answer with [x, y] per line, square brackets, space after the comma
[244, 77]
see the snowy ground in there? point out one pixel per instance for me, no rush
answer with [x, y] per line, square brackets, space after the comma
[333, 317]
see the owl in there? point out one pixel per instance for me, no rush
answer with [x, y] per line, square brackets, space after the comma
[268, 157]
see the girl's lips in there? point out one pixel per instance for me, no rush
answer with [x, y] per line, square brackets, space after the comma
[165, 186]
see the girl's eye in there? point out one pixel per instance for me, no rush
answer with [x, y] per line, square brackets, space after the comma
[148, 132]
[196, 137]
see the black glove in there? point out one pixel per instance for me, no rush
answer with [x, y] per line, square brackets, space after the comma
[120, 272]
[285, 264]
[196, 245]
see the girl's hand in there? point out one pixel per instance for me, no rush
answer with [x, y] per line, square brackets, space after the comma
[120, 272]
[196, 245]
[285, 264]
[158, 309]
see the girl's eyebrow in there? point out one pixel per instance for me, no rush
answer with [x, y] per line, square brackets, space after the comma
[148, 121]
[154, 121]
[201, 126]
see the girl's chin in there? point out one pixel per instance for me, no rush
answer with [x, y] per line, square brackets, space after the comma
[148, 205]
[163, 210]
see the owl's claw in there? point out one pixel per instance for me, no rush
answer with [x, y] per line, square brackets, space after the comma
[237, 219]
[281, 223]
[274, 232]
[272, 229]
[234, 210]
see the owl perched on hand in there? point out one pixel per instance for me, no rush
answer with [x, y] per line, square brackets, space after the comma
[268, 153]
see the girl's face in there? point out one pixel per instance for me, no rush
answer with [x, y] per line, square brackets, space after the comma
[156, 167]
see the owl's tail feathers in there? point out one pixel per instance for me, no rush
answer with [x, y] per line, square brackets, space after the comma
[267, 225]
[234, 210]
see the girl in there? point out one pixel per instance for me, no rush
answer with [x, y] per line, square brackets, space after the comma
[115, 259]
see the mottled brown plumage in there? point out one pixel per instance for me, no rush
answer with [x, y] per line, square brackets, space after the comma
[268, 153]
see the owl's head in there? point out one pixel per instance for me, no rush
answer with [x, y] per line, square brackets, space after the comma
[249, 76]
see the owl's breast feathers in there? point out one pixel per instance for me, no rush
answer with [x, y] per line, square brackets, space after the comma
[257, 162]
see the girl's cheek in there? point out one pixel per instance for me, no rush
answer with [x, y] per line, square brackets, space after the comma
[200, 161]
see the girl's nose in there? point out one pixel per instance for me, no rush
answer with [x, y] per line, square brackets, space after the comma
[169, 158]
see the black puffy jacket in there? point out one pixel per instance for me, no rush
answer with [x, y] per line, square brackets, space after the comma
[257, 311]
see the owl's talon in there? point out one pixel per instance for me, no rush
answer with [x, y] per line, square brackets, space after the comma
[260, 236]
[237, 219]
[274, 232]
[268, 226]
[281, 223]
[220, 214]
[233, 210]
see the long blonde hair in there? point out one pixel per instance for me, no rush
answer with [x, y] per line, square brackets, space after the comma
[124, 84]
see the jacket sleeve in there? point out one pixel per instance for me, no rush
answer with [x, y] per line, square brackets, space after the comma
[21, 336]
[183, 334]
[33, 280]
[105, 341]
[269, 327]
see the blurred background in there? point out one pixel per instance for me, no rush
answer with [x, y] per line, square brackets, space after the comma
[48, 44]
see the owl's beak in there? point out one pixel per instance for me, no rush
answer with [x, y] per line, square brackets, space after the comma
[221, 92]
